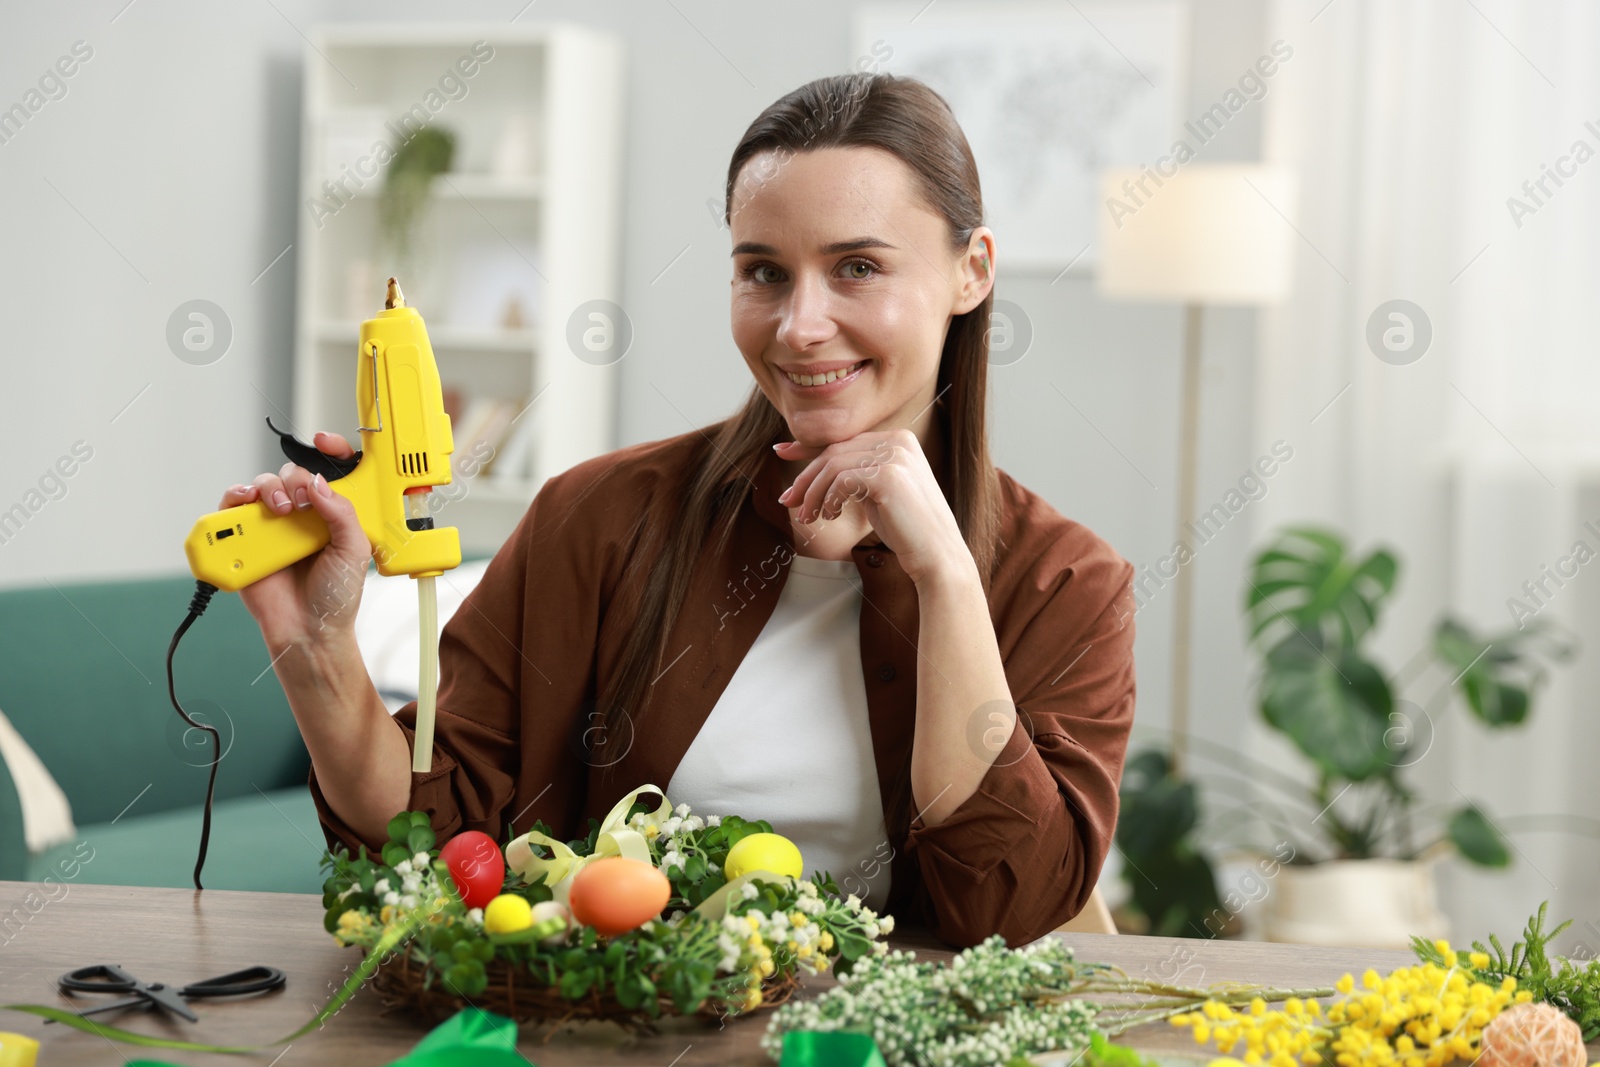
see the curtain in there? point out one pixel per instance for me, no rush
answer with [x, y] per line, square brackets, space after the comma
[1411, 127]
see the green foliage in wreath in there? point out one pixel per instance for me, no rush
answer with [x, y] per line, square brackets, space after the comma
[686, 959]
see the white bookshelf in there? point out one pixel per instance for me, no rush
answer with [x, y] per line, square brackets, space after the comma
[542, 224]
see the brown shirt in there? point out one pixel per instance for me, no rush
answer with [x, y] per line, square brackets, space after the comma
[524, 656]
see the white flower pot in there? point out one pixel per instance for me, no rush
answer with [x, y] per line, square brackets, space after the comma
[1377, 903]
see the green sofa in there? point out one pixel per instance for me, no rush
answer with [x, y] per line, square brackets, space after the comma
[83, 680]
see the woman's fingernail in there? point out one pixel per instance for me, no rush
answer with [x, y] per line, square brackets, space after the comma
[280, 499]
[300, 498]
[787, 493]
[238, 489]
[322, 488]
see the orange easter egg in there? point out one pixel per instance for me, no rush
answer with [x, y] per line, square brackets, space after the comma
[618, 894]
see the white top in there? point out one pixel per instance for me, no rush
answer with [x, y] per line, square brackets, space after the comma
[788, 741]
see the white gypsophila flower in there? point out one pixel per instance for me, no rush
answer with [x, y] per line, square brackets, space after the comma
[403, 867]
[475, 916]
[419, 862]
[411, 883]
[808, 889]
[408, 901]
[853, 901]
[346, 894]
[749, 891]
[673, 858]
[713, 821]
[693, 822]
[886, 924]
[380, 887]
[670, 827]
[681, 810]
[391, 897]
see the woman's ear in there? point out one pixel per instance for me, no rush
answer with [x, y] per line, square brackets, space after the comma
[975, 271]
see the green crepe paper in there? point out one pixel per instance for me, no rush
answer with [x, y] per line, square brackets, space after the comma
[829, 1048]
[471, 1036]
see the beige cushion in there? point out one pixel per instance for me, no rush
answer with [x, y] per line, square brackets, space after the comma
[46, 814]
[1095, 918]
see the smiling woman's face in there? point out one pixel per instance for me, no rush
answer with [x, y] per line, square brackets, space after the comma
[841, 268]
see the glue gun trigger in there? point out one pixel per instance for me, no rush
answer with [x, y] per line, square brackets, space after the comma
[313, 459]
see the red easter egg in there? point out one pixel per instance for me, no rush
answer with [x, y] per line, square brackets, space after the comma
[618, 894]
[476, 866]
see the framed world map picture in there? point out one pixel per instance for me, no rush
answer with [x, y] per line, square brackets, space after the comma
[1049, 94]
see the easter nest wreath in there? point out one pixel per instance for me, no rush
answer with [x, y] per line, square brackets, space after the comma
[656, 912]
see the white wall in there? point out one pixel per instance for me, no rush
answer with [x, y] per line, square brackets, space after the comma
[177, 142]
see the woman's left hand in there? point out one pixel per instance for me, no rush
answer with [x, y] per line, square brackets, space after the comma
[887, 472]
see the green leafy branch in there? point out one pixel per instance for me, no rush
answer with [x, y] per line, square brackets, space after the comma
[1561, 983]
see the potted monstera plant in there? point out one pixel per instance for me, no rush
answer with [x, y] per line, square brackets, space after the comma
[1364, 848]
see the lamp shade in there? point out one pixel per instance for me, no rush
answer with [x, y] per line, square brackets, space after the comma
[1206, 235]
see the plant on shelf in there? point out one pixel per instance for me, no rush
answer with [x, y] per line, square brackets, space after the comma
[407, 183]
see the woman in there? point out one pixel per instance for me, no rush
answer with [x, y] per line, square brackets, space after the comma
[830, 610]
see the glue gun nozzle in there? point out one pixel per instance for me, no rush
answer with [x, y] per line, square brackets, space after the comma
[394, 298]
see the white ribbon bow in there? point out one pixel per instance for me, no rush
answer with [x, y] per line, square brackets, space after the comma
[615, 838]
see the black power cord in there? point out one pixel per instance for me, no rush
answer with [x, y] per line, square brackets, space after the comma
[197, 606]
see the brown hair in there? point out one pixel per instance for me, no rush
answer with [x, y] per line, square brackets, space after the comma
[906, 118]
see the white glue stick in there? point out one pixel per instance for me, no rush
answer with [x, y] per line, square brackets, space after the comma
[428, 679]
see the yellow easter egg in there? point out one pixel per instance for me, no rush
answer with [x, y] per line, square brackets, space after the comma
[507, 913]
[764, 852]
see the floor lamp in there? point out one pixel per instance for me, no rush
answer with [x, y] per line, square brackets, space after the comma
[1203, 235]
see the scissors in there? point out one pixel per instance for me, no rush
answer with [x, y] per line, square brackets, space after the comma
[107, 978]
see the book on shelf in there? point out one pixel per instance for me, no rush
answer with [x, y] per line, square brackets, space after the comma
[514, 462]
[485, 438]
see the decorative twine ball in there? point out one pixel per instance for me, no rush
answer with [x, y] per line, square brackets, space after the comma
[1532, 1035]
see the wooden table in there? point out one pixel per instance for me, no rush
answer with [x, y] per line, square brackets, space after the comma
[178, 936]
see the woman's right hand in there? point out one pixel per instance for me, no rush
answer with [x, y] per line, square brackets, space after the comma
[319, 595]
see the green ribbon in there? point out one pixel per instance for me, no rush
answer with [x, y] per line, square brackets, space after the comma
[829, 1048]
[469, 1037]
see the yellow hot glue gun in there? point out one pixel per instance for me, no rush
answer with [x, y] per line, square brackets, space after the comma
[406, 446]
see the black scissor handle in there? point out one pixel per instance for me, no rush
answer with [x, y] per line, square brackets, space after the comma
[250, 980]
[99, 978]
